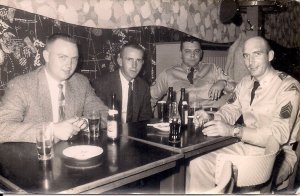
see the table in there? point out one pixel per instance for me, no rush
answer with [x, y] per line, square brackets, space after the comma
[192, 143]
[123, 161]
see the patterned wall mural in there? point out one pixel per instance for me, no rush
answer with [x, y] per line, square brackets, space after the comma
[102, 26]
[199, 18]
[284, 27]
[23, 36]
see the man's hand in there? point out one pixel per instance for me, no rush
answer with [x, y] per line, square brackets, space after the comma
[66, 129]
[193, 94]
[215, 91]
[217, 128]
[200, 117]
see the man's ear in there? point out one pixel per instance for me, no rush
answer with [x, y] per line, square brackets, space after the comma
[271, 55]
[46, 55]
[119, 60]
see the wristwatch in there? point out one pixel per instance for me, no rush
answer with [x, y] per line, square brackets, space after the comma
[237, 131]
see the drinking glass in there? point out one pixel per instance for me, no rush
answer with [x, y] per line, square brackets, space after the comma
[94, 118]
[162, 111]
[44, 142]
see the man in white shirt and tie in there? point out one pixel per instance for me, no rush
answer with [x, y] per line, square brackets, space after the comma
[35, 99]
[132, 92]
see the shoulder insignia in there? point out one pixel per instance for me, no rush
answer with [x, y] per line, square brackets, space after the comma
[282, 75]
[286, 110]
[232, 98]
[292, 87]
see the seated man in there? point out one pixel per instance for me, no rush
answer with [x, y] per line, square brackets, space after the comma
[52, 94]
[204, 82]
[269, 102]
[132, 92]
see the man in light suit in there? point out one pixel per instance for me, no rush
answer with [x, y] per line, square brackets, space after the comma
[32, 100]
[118, 82]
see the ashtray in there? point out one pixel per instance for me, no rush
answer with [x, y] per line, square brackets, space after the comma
[84, 156]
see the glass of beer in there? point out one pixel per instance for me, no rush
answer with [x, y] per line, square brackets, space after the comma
[94, 118]
[162, 111]
[44, 142]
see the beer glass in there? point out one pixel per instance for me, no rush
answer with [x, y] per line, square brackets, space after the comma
[94, 118]
[44, 142]
[162, 111]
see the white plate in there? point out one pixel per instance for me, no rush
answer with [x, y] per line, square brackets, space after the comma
[162, 126]
[82, 152]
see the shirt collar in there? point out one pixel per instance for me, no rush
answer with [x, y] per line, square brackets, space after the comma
[268, 78]
[123, 79]
[187, 69]
[51, 80]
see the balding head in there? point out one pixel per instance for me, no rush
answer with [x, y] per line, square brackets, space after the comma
[257, 56]
[257, 40]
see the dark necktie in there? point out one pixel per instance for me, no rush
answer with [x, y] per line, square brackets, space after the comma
[255, 86]
[190, 75]
[130, 103]
[61, 103]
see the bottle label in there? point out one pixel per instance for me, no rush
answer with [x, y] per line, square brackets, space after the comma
[112, 112]
[112, 129]
[185, 122]
[184, 103]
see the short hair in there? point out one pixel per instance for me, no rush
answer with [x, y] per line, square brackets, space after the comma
[189, 39]
[132, 45]
[62, 36]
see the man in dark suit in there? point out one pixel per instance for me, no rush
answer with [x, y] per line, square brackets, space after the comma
[132, 92]
[52, 95]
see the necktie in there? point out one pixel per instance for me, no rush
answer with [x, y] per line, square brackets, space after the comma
[61, 103]
[130, 103]
[255, 86]
[190, 75]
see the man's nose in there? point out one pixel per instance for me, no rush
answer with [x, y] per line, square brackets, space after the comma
[250, 60]
[69, 63]
[134, 64]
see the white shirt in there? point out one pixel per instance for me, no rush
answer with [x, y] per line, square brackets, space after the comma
[54, 94]
[125, 86]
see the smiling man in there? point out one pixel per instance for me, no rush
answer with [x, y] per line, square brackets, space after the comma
[52, 95]
[269, 102]
[132, 92]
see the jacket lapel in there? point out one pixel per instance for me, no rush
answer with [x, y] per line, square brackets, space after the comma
[43, 96]
[137, 97]
[118, 89]
[70, 99]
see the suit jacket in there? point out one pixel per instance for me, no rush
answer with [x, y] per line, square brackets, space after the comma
[26, 104]
[111, 83]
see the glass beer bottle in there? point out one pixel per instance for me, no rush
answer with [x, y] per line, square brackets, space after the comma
[112, 120]
[175, 124]
[169, 101]
[183, 108]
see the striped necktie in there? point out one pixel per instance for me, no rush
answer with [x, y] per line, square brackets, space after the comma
[61, 103]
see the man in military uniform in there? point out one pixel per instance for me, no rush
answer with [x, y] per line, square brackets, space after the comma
[269, 102]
